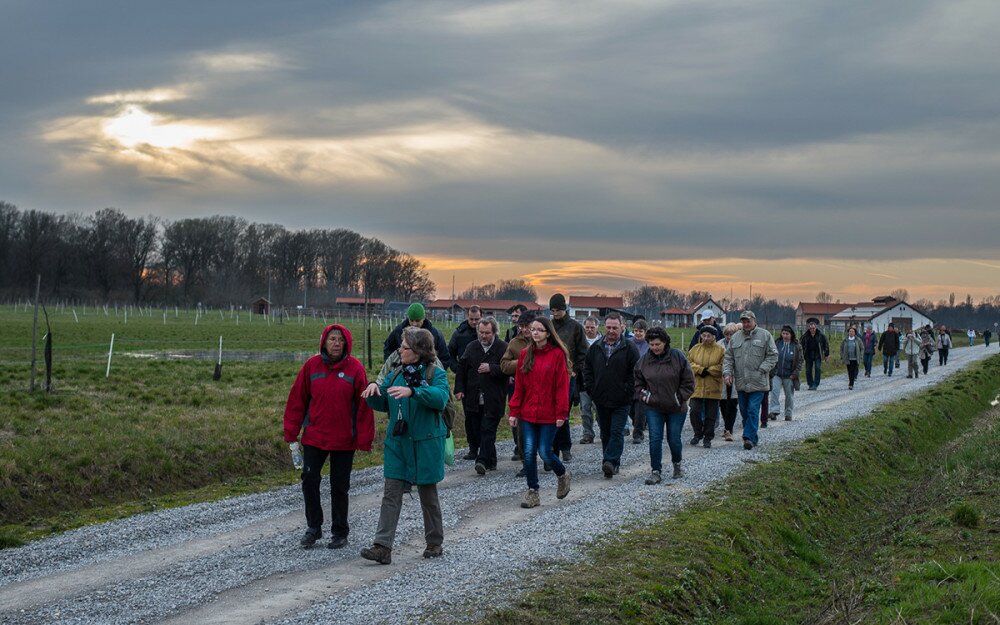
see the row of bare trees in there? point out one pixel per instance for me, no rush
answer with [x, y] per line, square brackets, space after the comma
[213, 260]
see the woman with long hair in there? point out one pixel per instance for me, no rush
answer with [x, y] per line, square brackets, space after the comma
[786, 372]
[540, 404]
[852, 351]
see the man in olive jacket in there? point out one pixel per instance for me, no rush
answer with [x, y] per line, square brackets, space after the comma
[573, 337]
[750, 356]
[609, 378]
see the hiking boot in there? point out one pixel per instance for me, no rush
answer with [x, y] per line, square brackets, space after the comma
[546, 466]
[563, 488]
[608, 469]
[587, 439]
[515, 457]
[531, 499]
[727, 435]
[763, 423]
[567, 456]
[850, 387]
[472, 455]
[677, 471]
[377, 553]
[337, 542]
[311, 536]
[433, 551]
[747, 444]
[637, 440]
[788, 417]
[654, 478]
[773, 416]
[617, 466]
[480, 468]
[521, 473]
[707, 444]
[695, 440]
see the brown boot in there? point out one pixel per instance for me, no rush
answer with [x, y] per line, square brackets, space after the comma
[433, 551]
[531, 499]
[377, 553]
[563, 488]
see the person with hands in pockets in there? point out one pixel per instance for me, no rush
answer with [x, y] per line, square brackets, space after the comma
[325, 404]
[414, 442]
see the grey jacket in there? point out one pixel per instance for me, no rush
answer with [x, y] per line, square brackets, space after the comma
[749, 359]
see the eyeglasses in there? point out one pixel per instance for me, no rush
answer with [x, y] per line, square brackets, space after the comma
[406, 347]
[538, 331]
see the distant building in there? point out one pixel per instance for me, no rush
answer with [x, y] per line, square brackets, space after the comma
[582, 306]
[675, 317]
[454, 309]
[823, 312]
[261, 306]
[358, 303]
[880, 312]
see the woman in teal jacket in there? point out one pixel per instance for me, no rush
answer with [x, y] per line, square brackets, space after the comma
[414, 441]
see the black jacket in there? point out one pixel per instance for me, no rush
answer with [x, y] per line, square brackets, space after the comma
[573, 337]
[395, 338]
[697, 334]
[610, 382]
[460, 338]
[814, 346]
[493, 385]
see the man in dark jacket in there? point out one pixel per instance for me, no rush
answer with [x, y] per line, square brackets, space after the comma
[515, 316]
[482, 388]
[609, 378]
[464, 334]
[888, 344]
[571, 333]
[707, 321]
[416, 316]
[816, 349]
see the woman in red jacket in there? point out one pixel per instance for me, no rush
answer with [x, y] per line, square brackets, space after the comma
[541, 402]
[325, 403]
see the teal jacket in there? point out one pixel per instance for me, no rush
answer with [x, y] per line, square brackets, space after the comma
[416, 457]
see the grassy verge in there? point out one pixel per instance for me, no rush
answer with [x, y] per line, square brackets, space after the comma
[891, 518]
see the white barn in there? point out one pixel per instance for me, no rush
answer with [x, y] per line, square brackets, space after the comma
[880, 313]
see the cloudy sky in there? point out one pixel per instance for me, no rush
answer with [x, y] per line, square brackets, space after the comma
[589, 146]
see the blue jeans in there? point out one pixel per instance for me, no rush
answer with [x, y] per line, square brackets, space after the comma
[868, 363]
[655, 422]
[971, 342]
[887, 363]
[813, 372]
[538, 439]
[611, 421]
[749, 402]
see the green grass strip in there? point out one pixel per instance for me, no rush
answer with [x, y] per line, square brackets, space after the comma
[839, 529]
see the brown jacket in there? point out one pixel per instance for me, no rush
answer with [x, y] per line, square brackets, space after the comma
[508, 362]
[669, 381]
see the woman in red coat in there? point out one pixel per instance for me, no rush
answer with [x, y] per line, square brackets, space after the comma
[541, 402]
[325, 404]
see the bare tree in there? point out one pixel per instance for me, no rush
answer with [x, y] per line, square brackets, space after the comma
[824, 298]
[900, 295]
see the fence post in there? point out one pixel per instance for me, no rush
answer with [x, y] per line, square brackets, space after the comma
[111, 349]
[34, 331]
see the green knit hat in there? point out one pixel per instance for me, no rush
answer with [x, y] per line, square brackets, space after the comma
[415, 312]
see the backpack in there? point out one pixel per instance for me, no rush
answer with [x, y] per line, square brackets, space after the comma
[449, 414]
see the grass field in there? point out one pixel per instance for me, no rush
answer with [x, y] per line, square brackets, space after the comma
[156, 432]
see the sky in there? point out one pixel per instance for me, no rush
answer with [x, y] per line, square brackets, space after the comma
[588, 146]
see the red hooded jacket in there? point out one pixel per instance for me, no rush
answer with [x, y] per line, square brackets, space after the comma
[325, 402]
[542, 394]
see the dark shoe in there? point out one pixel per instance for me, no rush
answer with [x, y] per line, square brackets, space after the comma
[480, 468]
[850, 387]
[788, 417]
[472, 455]
[546, 466]
[337, 542]
[608, 469]
[311, 536]
[515, 458]
[617, 466]
[637, 440]
[763, 424]
[654, 478]
[677, 471]
[377, 553]
[747, 444]
[587, 439]
[627, 431]
[707, 444]
[521, 473]
[695, 440]
[773, 416]
[433, 551]
[567, 456]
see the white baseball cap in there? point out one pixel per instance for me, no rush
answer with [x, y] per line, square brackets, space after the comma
[707, 314]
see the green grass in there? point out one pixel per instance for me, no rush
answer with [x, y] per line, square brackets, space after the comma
[873, 522]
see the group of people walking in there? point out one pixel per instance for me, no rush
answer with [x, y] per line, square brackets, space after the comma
[539, 370]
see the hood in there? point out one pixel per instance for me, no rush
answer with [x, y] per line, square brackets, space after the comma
[348, 340]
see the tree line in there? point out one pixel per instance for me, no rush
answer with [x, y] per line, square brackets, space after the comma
[215, 260]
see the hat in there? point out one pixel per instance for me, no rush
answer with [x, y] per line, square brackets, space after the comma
[415, 312]
[707, 314]
[892, 325]
[526, 318]
[748, 314]
[557, 302]
[812, 320]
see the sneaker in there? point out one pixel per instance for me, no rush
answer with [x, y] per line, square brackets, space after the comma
[480, 468]
[337, 542]
[531, 499]
[567, 456]
[654, 478]
[850, 387]
[695, 440]
[727, 435]
[311, 536]
[608, 469]
[377, 553]
[747, 444]
[788, 417]
[677, 471]
[587, 439]
[470, 456]
[707, 444]
[433, 551]
[563, 488]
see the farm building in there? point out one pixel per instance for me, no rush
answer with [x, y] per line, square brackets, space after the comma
[582, 306]
[358, 303]
[690, 317]
[823, 312]
[880, 312]
[455, 308]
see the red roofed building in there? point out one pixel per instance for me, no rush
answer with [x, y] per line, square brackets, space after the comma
[352, 303]
[823, 312]
[690, 317]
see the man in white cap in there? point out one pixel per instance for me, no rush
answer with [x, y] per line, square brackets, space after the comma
[750, 356]
[707, 321]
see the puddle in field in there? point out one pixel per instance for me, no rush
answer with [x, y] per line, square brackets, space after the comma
[227, 355]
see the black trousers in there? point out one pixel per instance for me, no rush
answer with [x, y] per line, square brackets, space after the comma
[472, 426]
[489, 421]
[340, 483]
[638, 413]
[852, 371]
[729, 409]
[926, 363]
[943, 356]
[702, 417]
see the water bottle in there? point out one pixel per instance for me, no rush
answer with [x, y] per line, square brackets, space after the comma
[296, 454]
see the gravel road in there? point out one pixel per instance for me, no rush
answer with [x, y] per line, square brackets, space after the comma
[238, 560]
